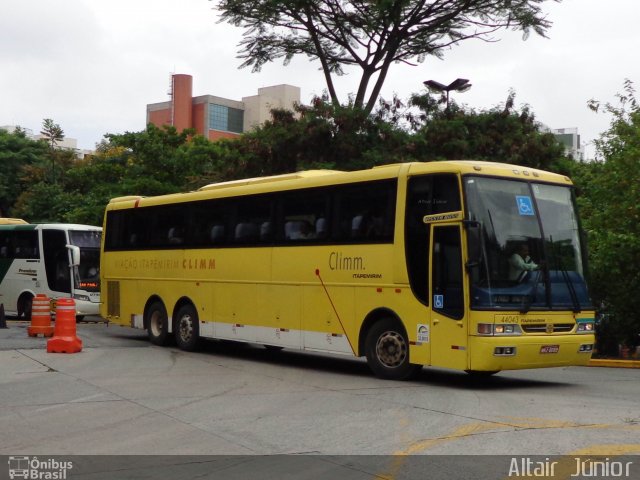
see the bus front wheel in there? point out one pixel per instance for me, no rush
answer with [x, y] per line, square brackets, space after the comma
[187, 328]
[25, 306]
[157, 324]
[387, 351]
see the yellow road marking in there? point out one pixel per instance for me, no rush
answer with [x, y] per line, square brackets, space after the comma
[566, 466]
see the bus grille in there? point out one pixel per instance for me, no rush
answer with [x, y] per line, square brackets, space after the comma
[113, 299]
[546, 328]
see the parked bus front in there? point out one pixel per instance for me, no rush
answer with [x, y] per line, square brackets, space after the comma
[57, 260]
[87, 272]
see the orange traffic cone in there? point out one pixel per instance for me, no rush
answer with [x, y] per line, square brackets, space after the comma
[64, 338]
[40, 316]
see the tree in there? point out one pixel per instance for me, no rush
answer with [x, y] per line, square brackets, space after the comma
[321, 135]
[52, 133]
[370, 34]
[610, 205]
[500, 134]
[17, 152]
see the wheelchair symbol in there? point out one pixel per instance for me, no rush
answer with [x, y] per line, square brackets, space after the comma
[525, 206]
[438, 301]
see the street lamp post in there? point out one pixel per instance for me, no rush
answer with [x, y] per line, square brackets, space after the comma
[458, 85]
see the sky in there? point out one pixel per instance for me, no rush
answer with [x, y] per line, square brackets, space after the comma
[93, 65]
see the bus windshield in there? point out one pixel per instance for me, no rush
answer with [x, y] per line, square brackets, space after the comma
[529, 239]
[88, 272]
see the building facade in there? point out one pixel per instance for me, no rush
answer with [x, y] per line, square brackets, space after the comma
[570, 138]
[216, 117]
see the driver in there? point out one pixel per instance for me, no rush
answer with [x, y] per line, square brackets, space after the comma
[520, 263]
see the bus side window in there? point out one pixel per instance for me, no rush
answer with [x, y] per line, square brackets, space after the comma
[246, 232]
[266, 231]
[302, 212]
[217, 234]
[25, 244]
[365, 212]
[252, 215]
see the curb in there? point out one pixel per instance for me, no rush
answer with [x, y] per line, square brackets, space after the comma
[602, 362]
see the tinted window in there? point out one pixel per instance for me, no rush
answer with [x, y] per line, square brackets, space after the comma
[448, 297]
[365, 213]
[56, 260]
[254, 223]
[19, 244]
[354, 213]
[305, 216]
[426, 195]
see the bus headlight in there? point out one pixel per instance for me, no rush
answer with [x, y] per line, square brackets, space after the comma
[585, 327]
[84, 298]
[499, 329]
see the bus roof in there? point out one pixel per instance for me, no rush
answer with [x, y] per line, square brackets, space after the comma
[11, 221]
[314, 178]
[51, 226]
[270, 179]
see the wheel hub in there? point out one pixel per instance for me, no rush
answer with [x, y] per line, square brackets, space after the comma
[156, 324]
[185, 328]
[391, 349]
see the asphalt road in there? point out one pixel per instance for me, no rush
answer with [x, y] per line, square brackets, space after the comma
[123, 396]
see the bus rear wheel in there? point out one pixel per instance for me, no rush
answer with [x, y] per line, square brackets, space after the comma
[186, 329]
[158, 324]
[387, 351]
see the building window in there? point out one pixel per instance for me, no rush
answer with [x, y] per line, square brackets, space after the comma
[225, 119]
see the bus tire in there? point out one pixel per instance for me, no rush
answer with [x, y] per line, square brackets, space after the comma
[387, 351]
[187, 331]
[158, 324]
[25, 306]
[273, 348]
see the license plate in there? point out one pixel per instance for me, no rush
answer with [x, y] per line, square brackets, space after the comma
[550, 349]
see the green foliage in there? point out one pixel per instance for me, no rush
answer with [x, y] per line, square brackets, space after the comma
[45, 202]
[319, 136]
[502, 134]
[610, 205]
[370, 35]
[16, 153]
[158, 161]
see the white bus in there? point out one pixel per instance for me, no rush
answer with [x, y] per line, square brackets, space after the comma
[58, 260]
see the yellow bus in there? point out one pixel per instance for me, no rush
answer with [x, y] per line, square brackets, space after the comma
[407, 264]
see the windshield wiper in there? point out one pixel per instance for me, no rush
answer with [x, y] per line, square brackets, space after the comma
[527, 300]
[567, 280]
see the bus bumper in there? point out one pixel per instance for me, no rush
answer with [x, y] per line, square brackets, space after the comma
[87, 308]
[515, 353]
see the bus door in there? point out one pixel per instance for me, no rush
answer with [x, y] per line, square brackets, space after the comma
[56, 260]
[448, 322]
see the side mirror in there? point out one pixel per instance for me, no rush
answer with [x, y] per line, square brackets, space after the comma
[474, 243]
[75, 255]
